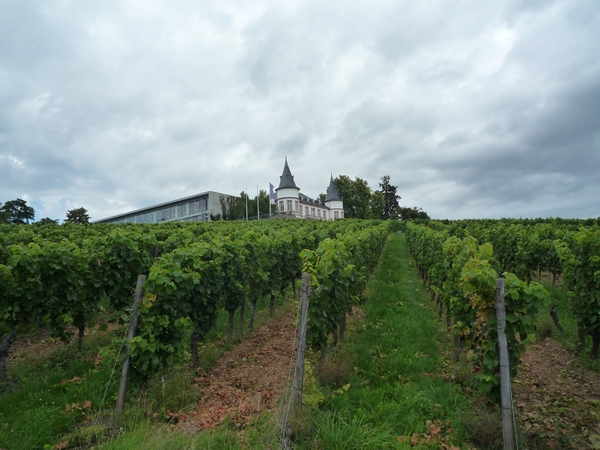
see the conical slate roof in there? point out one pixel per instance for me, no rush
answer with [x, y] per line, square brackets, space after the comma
[287, 179]
[332, 192]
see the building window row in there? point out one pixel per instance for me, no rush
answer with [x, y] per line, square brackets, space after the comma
[286, 207]
[198, 206]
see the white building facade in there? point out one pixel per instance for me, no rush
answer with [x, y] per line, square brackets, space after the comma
[290, 201]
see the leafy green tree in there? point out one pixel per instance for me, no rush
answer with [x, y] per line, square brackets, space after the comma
[376, 205]
[412, 213]
[263, 204]
[229, 207]
[356, 195]
[47, 221]
[17, 212]
[78, 215]
[263, 201]
[391, 198]
[4, 215]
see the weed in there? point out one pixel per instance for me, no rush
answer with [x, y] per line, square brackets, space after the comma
[461, 372]
[208, 356]
[484, 427]
[311, 394]
[545, 328]
[334, 369]
[84, 437]
[336, 432]
[173, 390]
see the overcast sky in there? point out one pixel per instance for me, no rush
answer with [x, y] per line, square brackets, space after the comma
[474, 108]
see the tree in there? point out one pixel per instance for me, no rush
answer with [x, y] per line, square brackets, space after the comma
[245, 203]
[47, 221]
[356, 196]
[263, 200]
[229, 207]
[412, 213]
[263, 203]
[376, 205]
[17, 212]
[78, 215]
[390, 197]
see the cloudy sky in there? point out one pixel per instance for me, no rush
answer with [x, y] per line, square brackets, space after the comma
[474, 108]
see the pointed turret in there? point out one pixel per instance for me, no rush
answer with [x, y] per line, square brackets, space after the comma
[334, 201]
[287, 179]
[287, 194]
[332, 192]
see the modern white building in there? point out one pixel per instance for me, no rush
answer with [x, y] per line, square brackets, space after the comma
[196, 208]
[290, 201]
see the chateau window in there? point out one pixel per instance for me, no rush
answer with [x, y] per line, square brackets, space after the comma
[318, 213]
[289, 205]
[306, 211]
[312, 212]
[296, 205]
[336, 214]
[281, 205]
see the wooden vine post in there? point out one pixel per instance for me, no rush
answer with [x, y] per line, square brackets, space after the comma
[299, 374]
[508, 430]
[133, 322]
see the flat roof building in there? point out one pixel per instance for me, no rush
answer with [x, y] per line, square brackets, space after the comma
[195, 208]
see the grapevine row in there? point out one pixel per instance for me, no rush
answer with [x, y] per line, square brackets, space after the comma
[63, 276]
[461, 274]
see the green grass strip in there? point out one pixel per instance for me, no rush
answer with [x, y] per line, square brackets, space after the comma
[396, 388]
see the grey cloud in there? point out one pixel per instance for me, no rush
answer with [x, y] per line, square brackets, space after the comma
[472, 107]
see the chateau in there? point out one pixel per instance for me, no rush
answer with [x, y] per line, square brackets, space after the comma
[290, 201]
[199, 208]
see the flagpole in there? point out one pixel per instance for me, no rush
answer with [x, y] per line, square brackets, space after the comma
[257, 204]
[271, 198]
[246, 204]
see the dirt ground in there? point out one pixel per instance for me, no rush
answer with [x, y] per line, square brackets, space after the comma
[557, 400]
[41, 345]
[249, 379]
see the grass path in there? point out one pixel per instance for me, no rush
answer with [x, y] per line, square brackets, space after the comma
[397, 395]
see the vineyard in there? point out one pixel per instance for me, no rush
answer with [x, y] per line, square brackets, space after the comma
[64, 276]
[65, 279]
[461, 260]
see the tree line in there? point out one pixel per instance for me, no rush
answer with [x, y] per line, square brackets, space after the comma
[18, 212]
[244, 206]
[360, 202]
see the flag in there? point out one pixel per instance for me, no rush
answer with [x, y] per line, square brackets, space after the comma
[272, 193]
